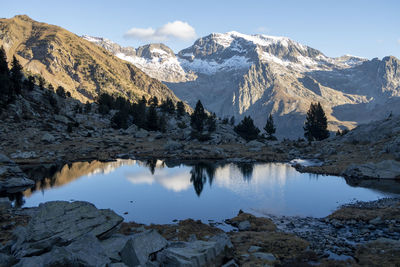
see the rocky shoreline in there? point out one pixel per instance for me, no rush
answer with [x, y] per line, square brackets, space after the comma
[65, 233]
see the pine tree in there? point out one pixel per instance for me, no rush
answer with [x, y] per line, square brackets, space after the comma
[16, 76]
[5, 84]
[211, 123]
[61, 92]
[246, 129]
[232, 120]
[31, 83]
[198, 117]
[152, 119]
[3, 62]
[88, 107]
[153, 101]
[180, 109]
[316, 124]
[270, 128]
[168, 106]
[42, 82]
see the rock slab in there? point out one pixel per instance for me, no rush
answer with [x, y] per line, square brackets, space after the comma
[59, 223]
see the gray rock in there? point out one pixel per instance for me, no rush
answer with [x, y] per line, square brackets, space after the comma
[4, 159]
[264, 256]
[6, 260]
[141, 133]
[59, 223]
[139, 247]
[15, 184]
[131, 129]
[24, 155]
[254, 249]
[61, 118]
[376, 221]
[254, 144]
[5, 203]
[48, 138]
[114, 245]
[230, 263]
[173, 145]
[197, 253]
[244, 226]
[117, 264]
[86, 251]
[387, 169]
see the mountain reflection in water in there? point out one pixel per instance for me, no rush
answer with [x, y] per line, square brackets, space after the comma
[164, 190]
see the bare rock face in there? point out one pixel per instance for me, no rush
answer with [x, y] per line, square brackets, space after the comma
[60, 223]
[239, 75]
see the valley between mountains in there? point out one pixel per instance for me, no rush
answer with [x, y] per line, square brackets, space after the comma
[85, 120]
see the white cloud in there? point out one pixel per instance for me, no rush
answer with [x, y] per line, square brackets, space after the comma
[398, 41]
[172, 30]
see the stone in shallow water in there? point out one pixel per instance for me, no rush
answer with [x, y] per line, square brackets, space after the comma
[59, 223]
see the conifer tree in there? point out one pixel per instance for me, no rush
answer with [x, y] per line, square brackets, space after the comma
[31, 83]
[270, 128]
[153, 101]
[316, 124]
[168, 106]
[198, 117]
[180, 109]
[232, 120]
[16, 76]
[246, 129]
[42, 82]
[211, 123]
[61, 92]
[5, 90]
[152, 119]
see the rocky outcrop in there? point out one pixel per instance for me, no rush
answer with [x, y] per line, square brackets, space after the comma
[60, 223]
[140, 246]
[81, 67]
[197, 253]
[61, 233]
[12, 178]
[387, 169]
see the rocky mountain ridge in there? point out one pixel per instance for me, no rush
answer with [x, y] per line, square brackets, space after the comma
[82, 68]
[235, 74]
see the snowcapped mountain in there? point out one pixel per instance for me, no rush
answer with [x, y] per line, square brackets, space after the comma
[156, 60]
[235, 74]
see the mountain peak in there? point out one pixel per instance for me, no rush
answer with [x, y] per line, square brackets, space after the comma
[23, 17]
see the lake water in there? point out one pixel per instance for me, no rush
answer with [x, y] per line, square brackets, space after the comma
[160, 192]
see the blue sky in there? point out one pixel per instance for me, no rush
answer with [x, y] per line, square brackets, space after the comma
[358, 27]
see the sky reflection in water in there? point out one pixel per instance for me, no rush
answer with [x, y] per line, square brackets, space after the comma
[151, 192]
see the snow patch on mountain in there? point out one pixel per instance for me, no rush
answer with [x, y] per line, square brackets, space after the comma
[211, 67]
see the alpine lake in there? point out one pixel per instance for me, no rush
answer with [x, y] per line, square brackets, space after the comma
[156, 191]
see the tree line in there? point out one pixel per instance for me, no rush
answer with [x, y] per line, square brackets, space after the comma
[152, 114]
[315, 126]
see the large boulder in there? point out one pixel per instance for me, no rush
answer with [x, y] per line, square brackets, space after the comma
[139, 247]
[86, 251]
[197, 253]
[387, 169]
[60, 223]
